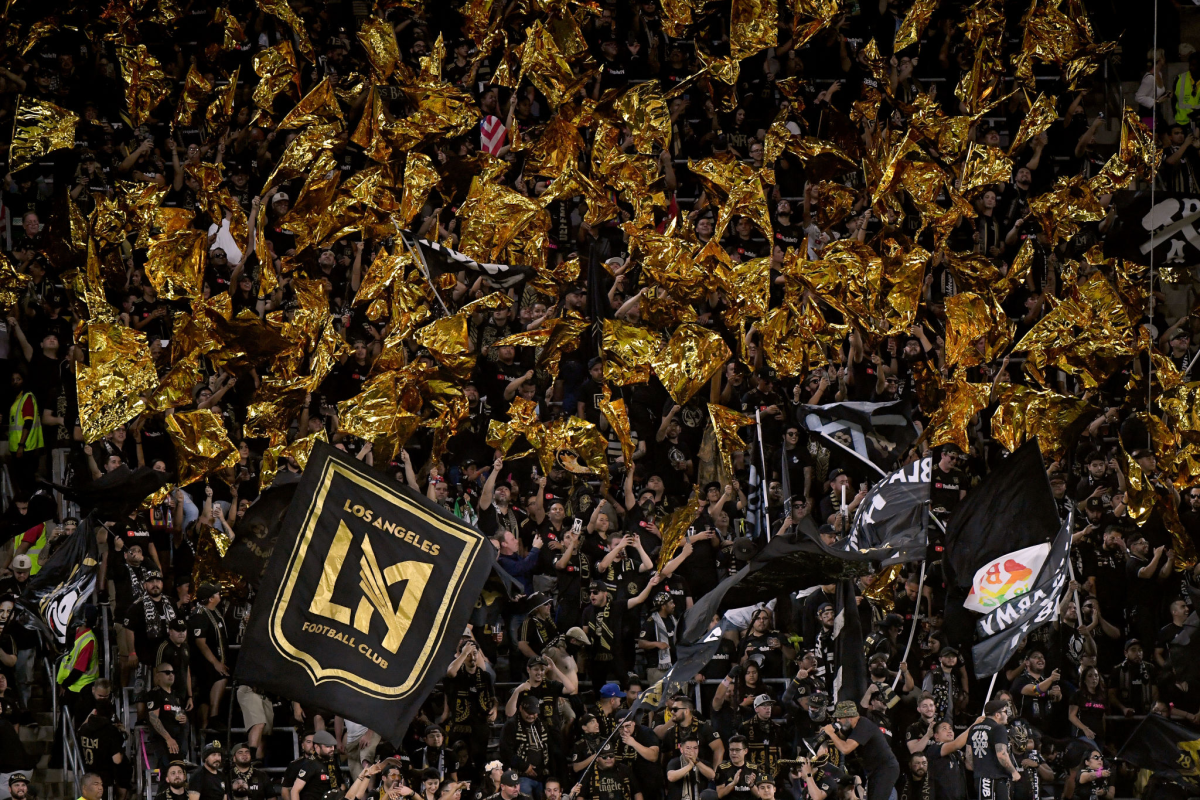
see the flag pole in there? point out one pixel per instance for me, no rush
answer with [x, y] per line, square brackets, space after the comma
[762, 459]
[920, 587]
[420, 258]
[988, 697]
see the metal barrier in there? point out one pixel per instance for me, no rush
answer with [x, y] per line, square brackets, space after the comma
[72, 760]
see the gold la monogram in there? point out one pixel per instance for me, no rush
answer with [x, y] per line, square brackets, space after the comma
[374, 584]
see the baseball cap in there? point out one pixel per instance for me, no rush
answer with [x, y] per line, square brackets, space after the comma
[17, 777]
[598, 586]
[178, 625]
[610, 690]
[1141, 453]
[510, 778]
[206, 591]
[578, 635]
[434, 729]
[530, 704]
[1132, 643]
[275, 198]
[22, 562]
[233, 751]
[1095, 504]
[763, 700]
[152, 575]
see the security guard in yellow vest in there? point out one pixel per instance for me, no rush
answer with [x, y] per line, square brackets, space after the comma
[24, 421]
[1187, 92]
[81, 667]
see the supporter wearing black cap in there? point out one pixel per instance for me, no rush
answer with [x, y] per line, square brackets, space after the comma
[528, 746]
[537, 629]
[510, 787]
[610, 778]
[209, 781]
[850, 733]
[546, 684]
[434, 756]
[322, 772]
[175, 783]
[147, 619]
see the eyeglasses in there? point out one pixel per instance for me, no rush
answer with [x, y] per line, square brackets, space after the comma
[166, 672]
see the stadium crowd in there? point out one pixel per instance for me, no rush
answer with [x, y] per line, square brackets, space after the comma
[541, 682]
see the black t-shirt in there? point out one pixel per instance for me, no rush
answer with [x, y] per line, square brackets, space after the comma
[947, 774]
[744, 787]
[1091, 710]
[100, 740]
[945, 489]
[210, 627]
[547, 694]
[258, 783]
[319, 777]
[873, 749]
[983, 739]
[704, 732]
[616, 783]
[138, 619]
[210, 786]
[136, 531]
[168, 705]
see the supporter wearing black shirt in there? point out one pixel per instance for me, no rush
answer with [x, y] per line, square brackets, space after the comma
[684, 725]
[1039, 697]
[321, 773]
[257, 784]
[166, 716]
[949, 484]
[175, 786]
[293, 769]
[128, 574]
[147, 619]
[947, 775]
[687, 773]
[988, 756]
[862, 736]
[102, 743]
[209, 782]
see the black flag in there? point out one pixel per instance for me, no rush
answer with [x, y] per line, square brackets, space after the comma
[1011, 509]
[257, 531]
[113, 495]
[849, 659]
[57, 594]
[1165, 747]
[441, 260]
[1001, 629]
[787, 562]
[888, 525]
[365, 596]
[879, 433]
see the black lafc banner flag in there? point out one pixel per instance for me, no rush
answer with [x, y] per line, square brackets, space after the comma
[55, 597]
[1000, 630]
[364, 598]
[1166, 747]
[257, 531]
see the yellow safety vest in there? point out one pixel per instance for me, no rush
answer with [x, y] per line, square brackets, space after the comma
[16, 424]
[93, 671]
[1187, 90]
[35, 552]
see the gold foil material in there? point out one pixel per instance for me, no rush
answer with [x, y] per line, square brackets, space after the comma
[618, 419]
[211, 546]
[221, 110]
[111, 388]
[753, 26]
[278, 73]
[962, 402]
[377, 414]
[646, 113]
[977, 331]
[378, 39]
[40, 128]
[688, 360]
[12, 286]
[281, 10]
[881, 592]
[547, 68]
[448, 343]
[145, 83]
[195, 88]
[910, 30]
[675, 527]
[629, 351]
[833, 203]
[175, 263]
[318, 107]
[1056, 420]
[201, 444]
[726, 423]
[1038, 119]
[419, 178]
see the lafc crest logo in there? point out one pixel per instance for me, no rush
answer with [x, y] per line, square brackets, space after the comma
[369, 586]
